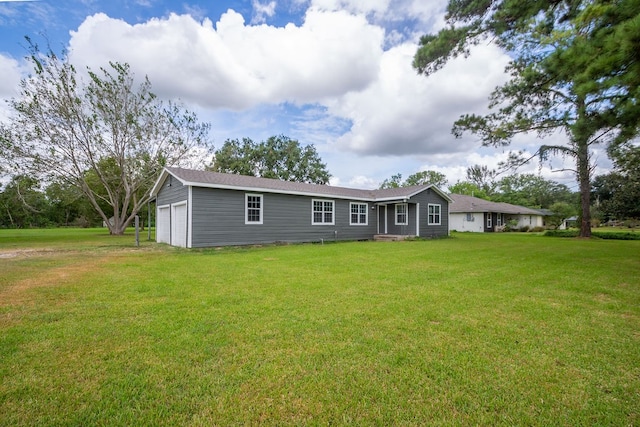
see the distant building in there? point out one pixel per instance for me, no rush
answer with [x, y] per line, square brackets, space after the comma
[468, 213]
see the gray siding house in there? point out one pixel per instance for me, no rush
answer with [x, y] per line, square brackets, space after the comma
[196, 209]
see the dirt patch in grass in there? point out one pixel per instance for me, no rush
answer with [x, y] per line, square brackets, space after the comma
[23, 253]
[64, 266]
[70, 270]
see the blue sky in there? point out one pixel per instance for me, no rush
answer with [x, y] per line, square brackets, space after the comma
[333, 73]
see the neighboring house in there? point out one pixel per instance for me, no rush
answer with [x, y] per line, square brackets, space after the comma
[201, 209]
[469, 213]
[571, 222]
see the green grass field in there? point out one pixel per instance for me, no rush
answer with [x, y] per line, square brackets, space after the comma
[498, 329]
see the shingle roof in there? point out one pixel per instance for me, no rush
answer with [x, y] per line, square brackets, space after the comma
[463, 204]
[251, 183]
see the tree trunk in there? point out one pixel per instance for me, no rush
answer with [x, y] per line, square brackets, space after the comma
[582, 133]
[120, 226]
[584, 180]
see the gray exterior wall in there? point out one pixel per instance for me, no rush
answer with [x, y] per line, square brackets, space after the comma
[419, 201]
[424, 199]
[172, 191]
[392, 228]
[219, 219]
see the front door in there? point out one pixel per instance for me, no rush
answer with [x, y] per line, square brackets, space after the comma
[382, 219]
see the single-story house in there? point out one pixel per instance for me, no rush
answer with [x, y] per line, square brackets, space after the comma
[197, 209]
[468, 213]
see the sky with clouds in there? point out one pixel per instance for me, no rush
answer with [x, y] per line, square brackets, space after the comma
[333, 73]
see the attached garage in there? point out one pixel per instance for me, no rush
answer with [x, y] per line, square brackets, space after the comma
[171, 224]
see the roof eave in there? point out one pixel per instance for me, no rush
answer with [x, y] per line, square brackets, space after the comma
[373, 199]
[276, 191]
[159, 182]
[407, 196]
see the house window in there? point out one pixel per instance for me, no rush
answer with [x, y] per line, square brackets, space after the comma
[489, 221]
[253, 208]
[401, 214]
[470, 217]
[358, 213]
[434, 215]
[322, 212]
[499, 220]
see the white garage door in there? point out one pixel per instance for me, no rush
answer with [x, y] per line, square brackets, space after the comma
[179, 225]
[163, 225]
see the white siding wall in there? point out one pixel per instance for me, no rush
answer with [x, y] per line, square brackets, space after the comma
[529, 221]
[458, 222]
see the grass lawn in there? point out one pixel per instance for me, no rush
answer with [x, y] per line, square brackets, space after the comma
[478, 329]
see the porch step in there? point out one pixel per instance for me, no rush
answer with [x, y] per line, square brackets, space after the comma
[391, 237]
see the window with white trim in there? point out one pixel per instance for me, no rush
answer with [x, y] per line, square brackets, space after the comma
[434, 216]
[489, 220]
[470, 217]
[401, 214]
[499, 220]
[359, 213]
[253, 208]
[322, 212]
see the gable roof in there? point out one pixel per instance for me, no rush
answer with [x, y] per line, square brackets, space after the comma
[195, 178]
[463, 204]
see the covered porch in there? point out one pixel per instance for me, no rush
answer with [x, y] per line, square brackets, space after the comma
[397, 220]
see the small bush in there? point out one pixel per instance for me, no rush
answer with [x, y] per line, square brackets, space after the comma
[524, 228]
[562, 233]
[537, 229]
[612, 235]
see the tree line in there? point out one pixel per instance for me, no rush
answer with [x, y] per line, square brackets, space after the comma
[26, 202]
[614, 197]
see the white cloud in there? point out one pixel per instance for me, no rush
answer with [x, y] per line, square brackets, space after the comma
[10, 70]
[197, 12]
[360, 181]
[233, 65]
[358, 7]
[262, 11]
[403, 113]
[334, 60]
[414, 17]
